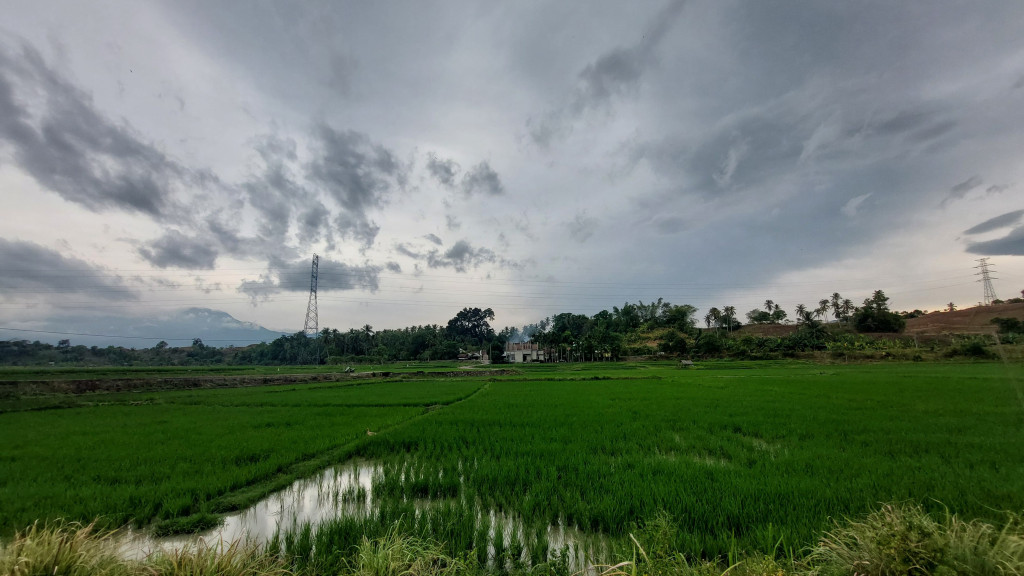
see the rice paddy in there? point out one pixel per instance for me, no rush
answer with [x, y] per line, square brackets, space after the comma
[731, 457]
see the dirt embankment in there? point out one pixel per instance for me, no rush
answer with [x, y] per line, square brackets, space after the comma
[32, 387]
[976, 320]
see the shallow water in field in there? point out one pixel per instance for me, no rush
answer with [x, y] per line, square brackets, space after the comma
[347, 491]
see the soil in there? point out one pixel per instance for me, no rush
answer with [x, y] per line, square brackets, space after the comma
[976, 320]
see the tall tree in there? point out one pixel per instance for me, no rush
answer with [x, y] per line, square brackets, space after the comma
[822, 310]
[471, 325]
[837, 303]
[712, 317]
[729, 314]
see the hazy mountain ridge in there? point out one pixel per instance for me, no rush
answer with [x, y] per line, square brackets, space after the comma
[177, 328]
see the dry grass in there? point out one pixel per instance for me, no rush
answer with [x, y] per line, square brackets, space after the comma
[903, 540]
[234, 559]
[68, 549]
[897, 540]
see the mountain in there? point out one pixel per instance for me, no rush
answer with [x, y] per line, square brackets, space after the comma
[178, 328]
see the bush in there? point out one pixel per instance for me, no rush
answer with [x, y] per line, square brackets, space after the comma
[1009, 325]
[971, 348]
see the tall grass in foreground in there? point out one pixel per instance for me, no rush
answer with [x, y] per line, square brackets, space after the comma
[897, 540]
[904, 540]
[65, 549]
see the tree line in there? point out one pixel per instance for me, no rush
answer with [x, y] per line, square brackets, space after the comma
[634, 329]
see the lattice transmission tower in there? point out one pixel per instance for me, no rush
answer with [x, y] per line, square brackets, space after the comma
[311, 328]
[986, 280]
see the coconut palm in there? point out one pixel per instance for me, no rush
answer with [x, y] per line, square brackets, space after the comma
[847, 308]
[800, 311]
[712, 317]
[837, 303]
[729, 312]
[822, 310]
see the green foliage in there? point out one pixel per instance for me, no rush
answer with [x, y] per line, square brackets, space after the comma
[471, 326]
[874, 315]
[971, 347]
[1009, 325]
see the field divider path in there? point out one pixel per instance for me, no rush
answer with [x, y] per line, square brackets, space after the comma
[241, 498]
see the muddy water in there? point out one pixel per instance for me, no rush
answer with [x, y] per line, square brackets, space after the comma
[343, 491]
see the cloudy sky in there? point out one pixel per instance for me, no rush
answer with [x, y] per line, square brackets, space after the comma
[532, 157]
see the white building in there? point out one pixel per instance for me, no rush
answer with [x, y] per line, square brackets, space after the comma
[519, 352]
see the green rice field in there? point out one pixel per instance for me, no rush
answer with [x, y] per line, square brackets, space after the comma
[755, 457]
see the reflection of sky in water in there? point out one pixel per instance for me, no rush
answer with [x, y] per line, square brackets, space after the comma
[320, 497]
[344, 490]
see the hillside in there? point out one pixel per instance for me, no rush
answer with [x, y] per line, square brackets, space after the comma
[976, 320]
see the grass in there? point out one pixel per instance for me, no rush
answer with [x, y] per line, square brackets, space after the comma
[895, 540]
[750, 457]
[181, 457]
[745, 460]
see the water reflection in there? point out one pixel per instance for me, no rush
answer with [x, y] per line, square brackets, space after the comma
[347, 490]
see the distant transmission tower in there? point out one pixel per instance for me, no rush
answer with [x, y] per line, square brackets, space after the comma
[986, 280]
[311, 328]
[311, 314]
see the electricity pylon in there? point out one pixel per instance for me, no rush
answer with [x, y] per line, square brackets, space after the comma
[986, 280]
[311, 328]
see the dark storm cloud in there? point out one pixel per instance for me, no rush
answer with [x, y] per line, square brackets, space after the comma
[461, 256]
[27, 268]
[740, 153]
[404, 249]
[55, 134]
[1001, 221]
[357, 172]
[356, 227]
[482, 179]
[177, 250]
[314, 223]
[434, 238]
[444, 171]
[294, 276]
[1010, 245]
[275, 194]
[614, 73]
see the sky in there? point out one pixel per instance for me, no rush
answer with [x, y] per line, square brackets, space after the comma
[530, 157]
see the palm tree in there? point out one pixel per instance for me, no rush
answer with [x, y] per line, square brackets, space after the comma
[800, 311]
[769, 306]
[847, 308]
[729, 312]
[837, 302]
[712, 317]
[822, 310]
